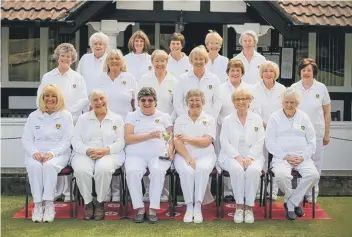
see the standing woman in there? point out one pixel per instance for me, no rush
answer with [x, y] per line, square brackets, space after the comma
[178, 62]
[138, 60]
[198, 78]
[46, 140]
[250, 57]
[73, 87]
[91, 65]
[316, 103]
[242, 140]
[217, 64]
[195, 159]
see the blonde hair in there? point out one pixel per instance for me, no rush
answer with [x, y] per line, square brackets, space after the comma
[139, 34]
[197, 93]
[108, 57]
[213, 35]
[250, 33]
[99, 36]
[269, 64]
[241, 92]
[199, 50]
[65, 48]
[51, 89]
[159, 52]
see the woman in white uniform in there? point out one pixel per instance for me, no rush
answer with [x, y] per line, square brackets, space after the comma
[250, 57]
[195, 158]
[198, 78]
[242, 140]
[138, 60]
[290, 137]
[73, 87]
[235, 70]
[46, 141]
[178, 62]
[316, 103]
[217, 63]
[91, 64]
[143, 130]
[98, 143]
[267, 100]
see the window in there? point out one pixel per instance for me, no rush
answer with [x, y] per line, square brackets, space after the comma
[166, 30]
[24, 53]
[149, 30]
[331, 58]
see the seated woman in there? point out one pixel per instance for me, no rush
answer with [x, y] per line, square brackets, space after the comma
[98, 151]
[143, 131]
[242, 139]
[290, 137]
[46, 140]
[195, 158]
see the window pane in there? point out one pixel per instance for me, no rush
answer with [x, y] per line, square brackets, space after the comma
[24, 53]
[331, 58]
[149, 30]
[165, 34]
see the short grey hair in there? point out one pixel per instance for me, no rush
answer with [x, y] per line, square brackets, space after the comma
[197, 93]
[65, 48]
[96, 92]
[291, 91]
[147, 91]
[99, 36]
[250, 33]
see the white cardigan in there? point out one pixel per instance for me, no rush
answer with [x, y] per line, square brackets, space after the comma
[113, 132]
[254, 136]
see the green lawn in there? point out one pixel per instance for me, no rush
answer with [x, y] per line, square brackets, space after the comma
[339, 210]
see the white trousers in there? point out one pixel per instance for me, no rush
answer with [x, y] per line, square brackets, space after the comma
[318, 161]
[310, 176]
[244, 182]
[165, 190]
[101, 170]
[63, 186]
[194, 181]
[43, 177]
[135, 169]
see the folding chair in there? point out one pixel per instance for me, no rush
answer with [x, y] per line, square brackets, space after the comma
[269, 179]
[213, 174]
[169, 172]
[67, 171]
[224, 173]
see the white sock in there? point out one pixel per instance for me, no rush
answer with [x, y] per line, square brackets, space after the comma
[198, 207]
[38, 204]
[189, 207]
[141, 210]
[290, 206]
[49, 203]
[151, 211]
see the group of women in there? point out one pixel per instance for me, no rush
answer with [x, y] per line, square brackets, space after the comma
[219, 112]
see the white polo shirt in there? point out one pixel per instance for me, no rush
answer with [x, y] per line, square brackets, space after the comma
[90, 68]
[267, 101]
[72, 86]
[120, 91]
[218, 67]
[209, 83]
[204, 125]
[290, 136]
[164, 90]
[251, 75]
[138, 64]
[142, 124]
[312, 102]
[226, 90]
[177, 68]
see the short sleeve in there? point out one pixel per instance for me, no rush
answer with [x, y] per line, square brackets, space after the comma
[326, 98]
[130, 118]
[211, 128]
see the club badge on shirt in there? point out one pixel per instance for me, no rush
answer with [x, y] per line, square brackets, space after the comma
[186, 70]
[210, 87]
[74, 86]
[58, 126]
[123, 82]
[303, 127]
[114, 128]
[170, 91]
[157, 120]
[149, 68]
[204, 122]
[256, 129]
[317, 96]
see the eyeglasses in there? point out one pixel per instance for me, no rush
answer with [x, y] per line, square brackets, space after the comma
[149, 101]
[244, 99]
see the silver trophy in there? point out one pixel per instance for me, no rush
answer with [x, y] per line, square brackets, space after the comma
[166, 136]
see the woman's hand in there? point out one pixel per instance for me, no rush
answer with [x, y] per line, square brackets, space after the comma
[171, 153]
[326, 139]
[37, 156]
[154, 134]
[47, 156]
[182, 137]
[247, 162]
[240, 160]
[191, 162]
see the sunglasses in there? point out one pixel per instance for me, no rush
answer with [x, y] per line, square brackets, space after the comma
[149, 101]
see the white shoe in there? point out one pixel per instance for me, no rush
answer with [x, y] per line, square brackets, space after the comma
[67, 198]
[188, 217]
[49, 213]
[309, 199]
[248, 216]
[238, 217]
[197, 217]
[164, 198]
[116, 198]
[37, 214]
[274, 196]
[146, 197]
